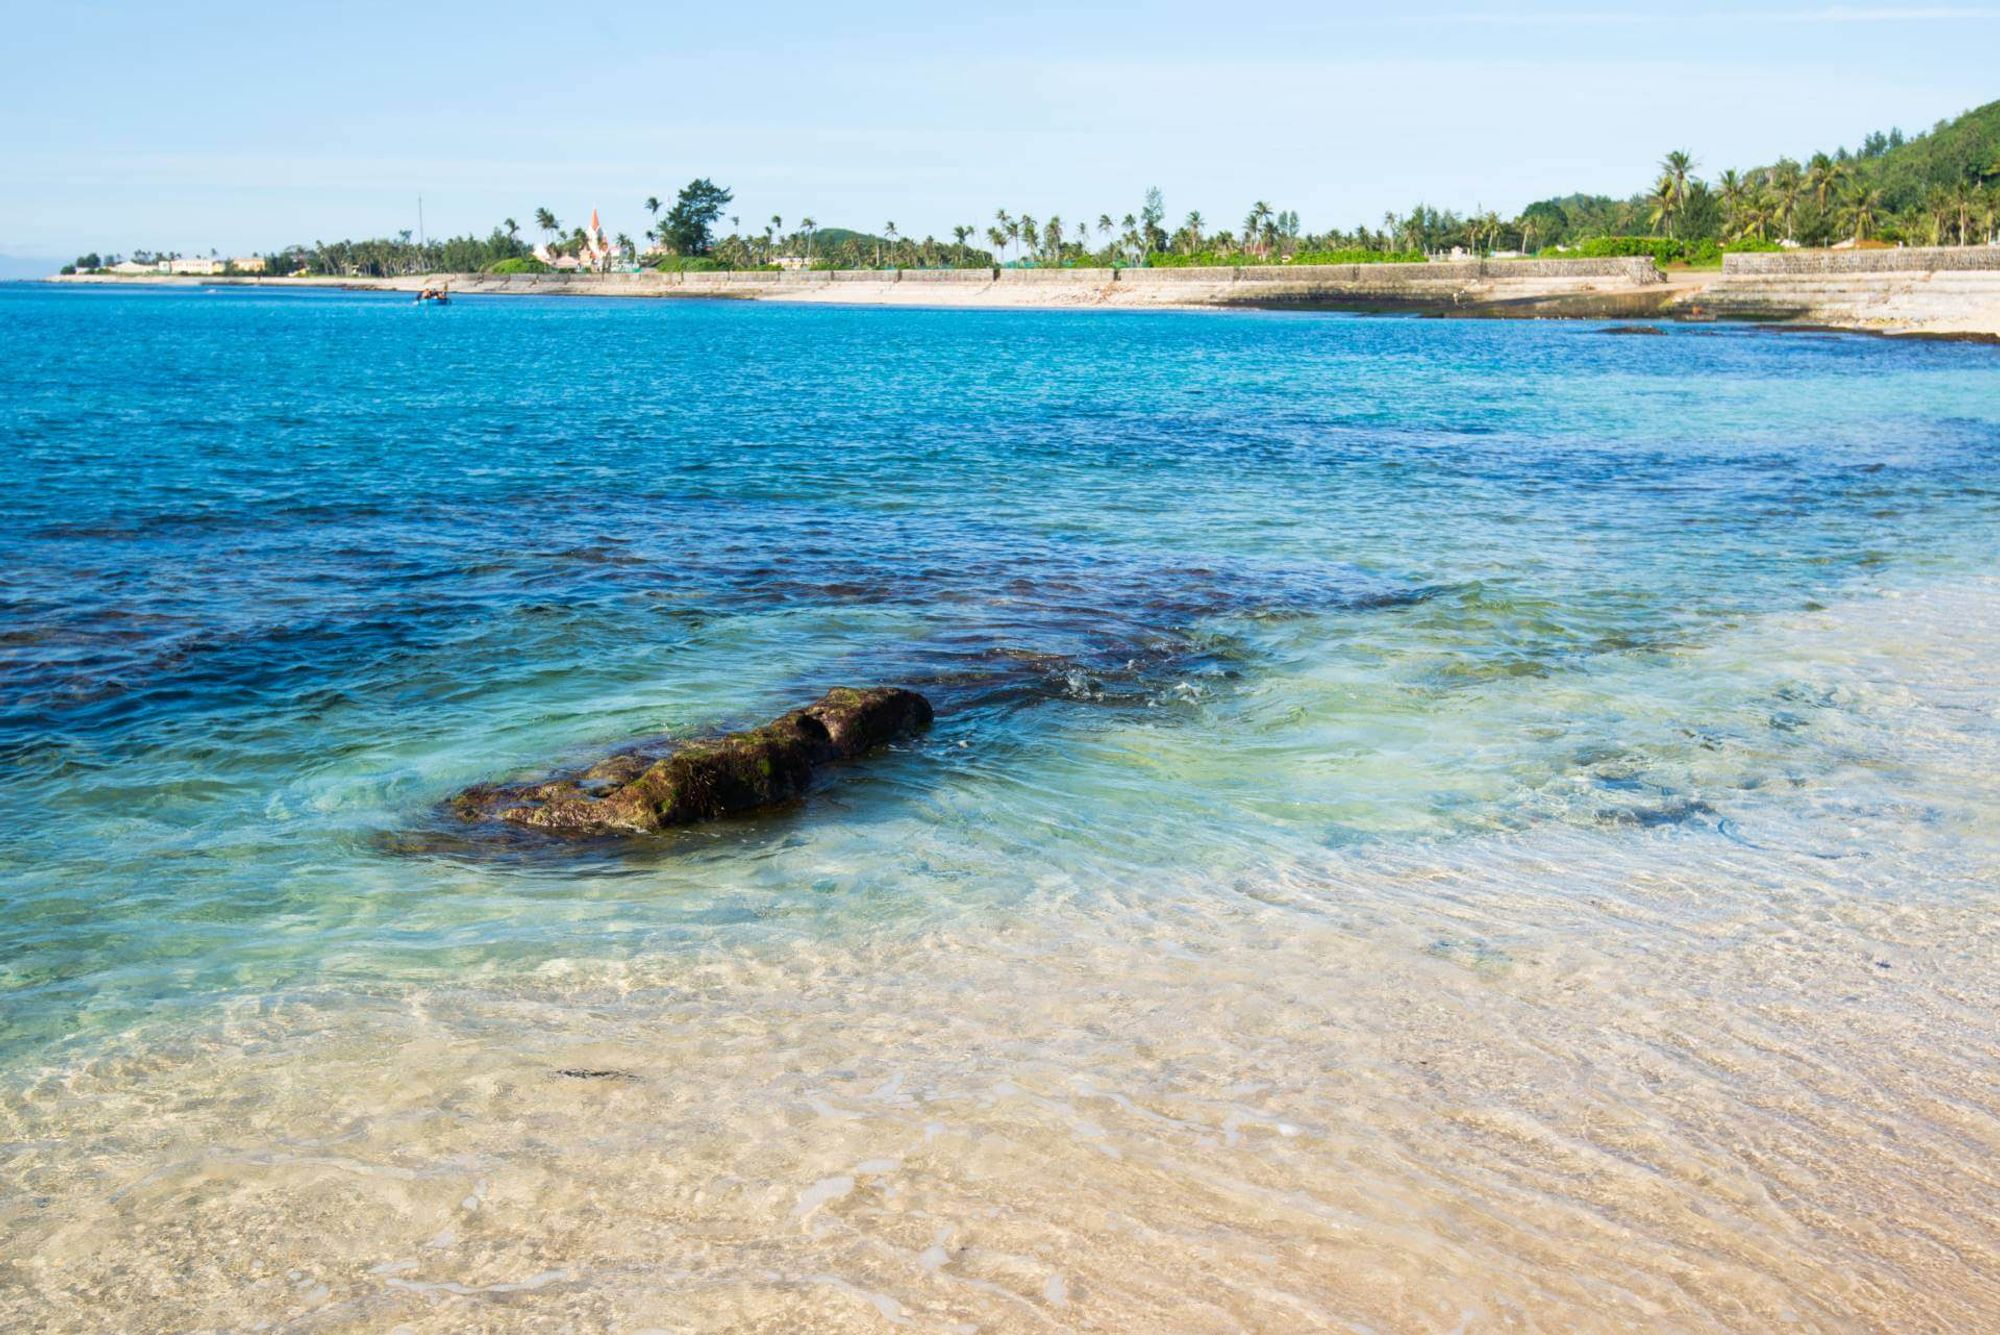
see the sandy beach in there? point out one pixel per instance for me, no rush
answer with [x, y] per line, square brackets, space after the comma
[1950, 293]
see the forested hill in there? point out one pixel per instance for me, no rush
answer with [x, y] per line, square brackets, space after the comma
[1912, 186]
[1965, 151]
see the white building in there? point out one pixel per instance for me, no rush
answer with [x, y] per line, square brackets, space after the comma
[594, 252]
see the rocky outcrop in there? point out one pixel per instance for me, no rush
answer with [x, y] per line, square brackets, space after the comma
[739, 772]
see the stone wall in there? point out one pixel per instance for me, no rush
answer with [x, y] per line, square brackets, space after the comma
[1908, 259]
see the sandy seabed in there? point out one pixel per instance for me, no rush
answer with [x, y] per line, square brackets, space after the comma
[1567, 1079]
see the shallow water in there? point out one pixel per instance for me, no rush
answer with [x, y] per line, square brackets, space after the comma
[1432, 825]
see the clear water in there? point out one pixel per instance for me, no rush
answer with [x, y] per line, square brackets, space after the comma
[1430, 823]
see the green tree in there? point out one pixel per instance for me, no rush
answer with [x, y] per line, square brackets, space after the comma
[1256, 227]
[1151, 234]
[546, 221]
[1670, 197]
[1787, 185]
[1733, 190]
[1193, 225]
[689, 227]
[1864, 213]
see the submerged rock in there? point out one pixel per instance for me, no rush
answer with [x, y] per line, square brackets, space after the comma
[1639, 329]
[729, 775]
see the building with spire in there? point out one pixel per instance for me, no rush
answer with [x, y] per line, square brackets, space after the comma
[592, 250]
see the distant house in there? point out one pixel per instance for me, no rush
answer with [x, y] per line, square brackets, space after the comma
[248, 264]
[134, 267]
[194, 265]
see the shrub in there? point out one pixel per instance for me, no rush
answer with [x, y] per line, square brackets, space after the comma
[1661, 250]
[1353, 255]
[1210, 259]
[520, 264]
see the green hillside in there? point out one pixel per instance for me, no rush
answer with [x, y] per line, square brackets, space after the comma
[1965, 151]
[1938, 187]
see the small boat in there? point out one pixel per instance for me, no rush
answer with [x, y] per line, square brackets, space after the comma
[439, 295]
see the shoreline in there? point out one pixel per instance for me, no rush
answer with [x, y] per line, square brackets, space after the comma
[1934, 295]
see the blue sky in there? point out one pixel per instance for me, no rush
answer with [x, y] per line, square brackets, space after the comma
[242, 127]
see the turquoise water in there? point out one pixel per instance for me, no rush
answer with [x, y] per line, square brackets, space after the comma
[285, 570]
[1216, 608]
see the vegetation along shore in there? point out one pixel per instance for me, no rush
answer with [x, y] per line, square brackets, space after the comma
[1900, 234]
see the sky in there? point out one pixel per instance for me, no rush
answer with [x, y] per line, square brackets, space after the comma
[244, 127]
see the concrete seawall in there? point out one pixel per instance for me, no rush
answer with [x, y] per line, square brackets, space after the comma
[1949, 291]
[1902, 259]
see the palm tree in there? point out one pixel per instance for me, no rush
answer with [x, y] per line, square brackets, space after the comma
[1733, 190]
[547, 222]
[958, 234]
[1663, 204]
[1195, 222]
[513, 229]
[1821, 179]
[997, 238]
[1674, 170]
[653, 205]
[1254, 224]
[808, 226]
[1865, 212]
[1677, 165]
[1007, 230]
[1938, 205]
[1753, 219]
[1052, 235]
[1785, 190]
[1964, 199]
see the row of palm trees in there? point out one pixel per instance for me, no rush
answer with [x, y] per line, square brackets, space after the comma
[1771, 205]
[1823, 200]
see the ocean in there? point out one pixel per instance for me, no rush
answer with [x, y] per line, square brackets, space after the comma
[1430, 825]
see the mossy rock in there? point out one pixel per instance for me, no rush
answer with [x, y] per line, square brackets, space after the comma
[735, 774]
